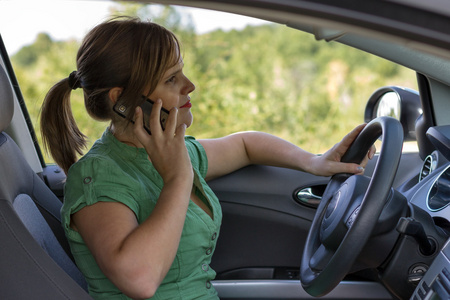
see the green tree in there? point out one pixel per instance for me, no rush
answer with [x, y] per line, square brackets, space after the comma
[268, 78]
[28, 55]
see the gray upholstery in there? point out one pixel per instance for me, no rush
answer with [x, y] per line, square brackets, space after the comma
[34, 255]
[42, 233]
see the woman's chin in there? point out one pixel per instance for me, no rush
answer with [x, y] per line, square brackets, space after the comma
[188, 121]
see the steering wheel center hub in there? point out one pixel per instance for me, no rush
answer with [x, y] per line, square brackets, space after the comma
[340, 208]
[333, 204]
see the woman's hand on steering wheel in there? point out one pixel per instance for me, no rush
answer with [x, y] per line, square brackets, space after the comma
[330, 162]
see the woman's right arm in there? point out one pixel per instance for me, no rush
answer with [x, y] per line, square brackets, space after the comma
[136, 258]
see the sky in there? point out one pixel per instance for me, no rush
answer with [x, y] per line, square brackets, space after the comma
[18, 30]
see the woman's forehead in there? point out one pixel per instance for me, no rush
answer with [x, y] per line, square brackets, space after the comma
[175, 68]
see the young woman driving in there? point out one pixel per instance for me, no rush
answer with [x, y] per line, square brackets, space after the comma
[138, 213]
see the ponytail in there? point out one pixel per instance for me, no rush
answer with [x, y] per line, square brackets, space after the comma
[122, 52]
[60, 133]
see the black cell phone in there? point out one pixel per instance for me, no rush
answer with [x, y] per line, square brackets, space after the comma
[146, 106]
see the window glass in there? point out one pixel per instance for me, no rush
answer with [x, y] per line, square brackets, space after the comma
[249, 74]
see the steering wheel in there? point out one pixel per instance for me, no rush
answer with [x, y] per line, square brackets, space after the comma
[343, 222]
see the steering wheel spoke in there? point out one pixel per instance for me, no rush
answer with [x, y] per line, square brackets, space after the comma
[320, 258]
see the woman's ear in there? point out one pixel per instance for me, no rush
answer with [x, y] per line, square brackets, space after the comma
[114, 94]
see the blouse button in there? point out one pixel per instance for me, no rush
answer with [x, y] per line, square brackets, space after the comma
[208, 284]
[87, 180]
[205, 267]
[214, 236]
[208, 251]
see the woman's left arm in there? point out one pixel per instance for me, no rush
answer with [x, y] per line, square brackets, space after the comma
[238, 150]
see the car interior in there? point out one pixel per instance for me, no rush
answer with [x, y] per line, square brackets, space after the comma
[278, 234]
[33, 240]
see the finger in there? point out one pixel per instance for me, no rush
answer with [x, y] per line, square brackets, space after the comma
[137, 126]
[370, 155]
[359, 170]
[172, 121]
[352, 135]
[351, 168]
[181, 131]
[372, 152]
[346, 142]
[364, 161]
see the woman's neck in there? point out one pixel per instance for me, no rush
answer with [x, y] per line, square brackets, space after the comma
[125, 135]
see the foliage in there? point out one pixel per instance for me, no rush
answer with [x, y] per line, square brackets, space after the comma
[268, 78]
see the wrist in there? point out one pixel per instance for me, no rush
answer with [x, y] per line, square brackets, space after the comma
[310, 164]
[180, 179]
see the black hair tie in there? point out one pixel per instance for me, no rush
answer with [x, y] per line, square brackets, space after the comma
[74, 81]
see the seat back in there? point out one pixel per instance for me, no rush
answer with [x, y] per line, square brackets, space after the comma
[35, 258]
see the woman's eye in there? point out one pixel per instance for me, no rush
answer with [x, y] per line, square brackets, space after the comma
[171, 79]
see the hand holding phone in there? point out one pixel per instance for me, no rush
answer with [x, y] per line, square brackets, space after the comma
[146, 107]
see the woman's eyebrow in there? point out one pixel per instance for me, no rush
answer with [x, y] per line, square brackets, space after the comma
[176, 71]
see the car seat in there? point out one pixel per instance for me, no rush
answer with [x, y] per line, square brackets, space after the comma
[35, 261]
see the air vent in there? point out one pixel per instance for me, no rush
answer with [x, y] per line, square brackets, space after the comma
[429, 165]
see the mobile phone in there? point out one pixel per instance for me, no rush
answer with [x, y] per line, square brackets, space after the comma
[146, 106]
[147, 109]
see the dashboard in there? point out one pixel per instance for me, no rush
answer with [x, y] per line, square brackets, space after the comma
[432, 195]
[435, 285]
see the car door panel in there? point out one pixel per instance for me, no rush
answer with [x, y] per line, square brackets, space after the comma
[263, 232]
[265, 226]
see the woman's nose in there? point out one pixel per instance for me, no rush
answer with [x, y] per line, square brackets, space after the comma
[190, 86]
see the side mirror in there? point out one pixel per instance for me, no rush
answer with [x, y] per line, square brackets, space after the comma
[397, 102]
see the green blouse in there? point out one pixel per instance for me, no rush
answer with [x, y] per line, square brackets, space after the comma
[114, 171]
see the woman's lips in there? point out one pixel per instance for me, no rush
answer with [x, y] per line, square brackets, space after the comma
[187, 105]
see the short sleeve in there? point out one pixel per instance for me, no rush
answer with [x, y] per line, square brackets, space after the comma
[197, 154]
[93, 180]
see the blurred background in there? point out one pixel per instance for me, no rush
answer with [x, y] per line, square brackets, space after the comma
[249, 74]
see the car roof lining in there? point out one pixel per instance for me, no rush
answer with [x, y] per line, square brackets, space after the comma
[425, 63]
[433, 66]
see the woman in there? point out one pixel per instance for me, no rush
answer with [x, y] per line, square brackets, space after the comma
[138, 213]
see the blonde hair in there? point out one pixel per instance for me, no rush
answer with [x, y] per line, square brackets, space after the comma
[122, 52]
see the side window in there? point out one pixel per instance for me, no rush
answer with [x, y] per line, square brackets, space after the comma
[256, 76]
